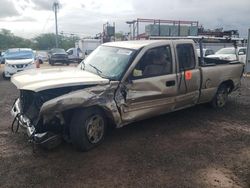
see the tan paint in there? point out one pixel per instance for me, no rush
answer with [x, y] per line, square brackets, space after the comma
[132, 100]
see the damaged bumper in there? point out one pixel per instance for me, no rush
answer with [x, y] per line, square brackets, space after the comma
[46, 139]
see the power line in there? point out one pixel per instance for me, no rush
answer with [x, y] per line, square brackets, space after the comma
[45, 24]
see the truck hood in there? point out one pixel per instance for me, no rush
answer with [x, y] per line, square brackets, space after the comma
[42, 79]
[18, 61]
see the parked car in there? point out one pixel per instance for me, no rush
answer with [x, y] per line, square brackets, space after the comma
[42, 56]
[75, 55]
[206, 52]
[58, 55]
[87, 46]
[119, 83]
[231, 54]
[18, 59]
[2, 60]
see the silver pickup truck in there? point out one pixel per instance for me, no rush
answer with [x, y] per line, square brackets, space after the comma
[119, 83]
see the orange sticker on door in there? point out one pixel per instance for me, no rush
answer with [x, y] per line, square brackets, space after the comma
[188, 75]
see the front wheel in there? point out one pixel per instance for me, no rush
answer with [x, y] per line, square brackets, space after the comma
[87, 128]
[4, 77]
[221, 97]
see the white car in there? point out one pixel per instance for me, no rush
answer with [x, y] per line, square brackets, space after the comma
[231, 54]
[206, 52]
[17, 60]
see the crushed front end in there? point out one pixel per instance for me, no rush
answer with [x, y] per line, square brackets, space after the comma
[26, 110]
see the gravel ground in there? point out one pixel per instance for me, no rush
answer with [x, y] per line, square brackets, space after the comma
[195, 147]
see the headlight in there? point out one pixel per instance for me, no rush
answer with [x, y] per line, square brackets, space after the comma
[8, 65]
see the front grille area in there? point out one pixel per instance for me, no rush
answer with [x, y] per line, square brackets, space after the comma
[19, 66]
[26, 99]
[59, 56]
[31, 102]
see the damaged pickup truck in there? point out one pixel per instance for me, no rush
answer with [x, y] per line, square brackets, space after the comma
[119, 83]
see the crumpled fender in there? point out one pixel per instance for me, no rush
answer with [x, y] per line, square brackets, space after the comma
[101, 96]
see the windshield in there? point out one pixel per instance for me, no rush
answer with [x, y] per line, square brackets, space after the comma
[58, 50]
[226, 51]
[108, 62]
[19, 55]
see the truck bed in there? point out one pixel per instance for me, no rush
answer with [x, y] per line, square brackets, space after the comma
[213, 62]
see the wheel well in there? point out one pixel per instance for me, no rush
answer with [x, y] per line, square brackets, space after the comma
[68, 114]
[229, 84]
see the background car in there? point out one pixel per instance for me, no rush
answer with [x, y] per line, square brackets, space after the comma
[58, 55]
[231, 54]
[2, 60]
[206, 52]
[42, 56]
[18, 59]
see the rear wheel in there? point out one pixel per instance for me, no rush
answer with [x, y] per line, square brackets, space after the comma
[221, 97]
[87, 128]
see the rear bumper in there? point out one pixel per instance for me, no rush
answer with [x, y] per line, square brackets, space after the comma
[47, 139]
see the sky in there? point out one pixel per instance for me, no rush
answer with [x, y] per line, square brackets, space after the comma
[29, 18]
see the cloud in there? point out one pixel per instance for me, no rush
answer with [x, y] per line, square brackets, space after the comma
[7, 9]
[88, 16]
[43, 4]
[211, 14]
[18, 19]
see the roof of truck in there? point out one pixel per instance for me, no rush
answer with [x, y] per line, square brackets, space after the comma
[136, 44]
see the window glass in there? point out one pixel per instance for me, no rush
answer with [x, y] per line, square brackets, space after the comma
[155, 62]
[186, 56]
[209, 52]
[70, 52]
[108, 62]
[242, 51]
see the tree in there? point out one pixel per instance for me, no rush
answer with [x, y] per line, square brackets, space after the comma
[47, 41]
[9, 40]
[41, 42]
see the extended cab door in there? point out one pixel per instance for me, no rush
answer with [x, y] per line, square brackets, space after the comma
[151, 86]
[188, 73]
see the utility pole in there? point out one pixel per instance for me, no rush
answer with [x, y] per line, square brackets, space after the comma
[55, 7]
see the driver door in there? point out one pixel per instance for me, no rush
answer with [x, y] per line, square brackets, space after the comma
[152, 86]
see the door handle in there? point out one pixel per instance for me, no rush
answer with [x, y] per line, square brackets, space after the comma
[170, 83]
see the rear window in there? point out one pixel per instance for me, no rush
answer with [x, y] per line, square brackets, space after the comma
[186, 56]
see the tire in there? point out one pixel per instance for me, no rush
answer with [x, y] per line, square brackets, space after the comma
[221, 97]
[84, 133]
[4, 77]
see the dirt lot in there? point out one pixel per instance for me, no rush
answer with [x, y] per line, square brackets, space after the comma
[196, 147]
